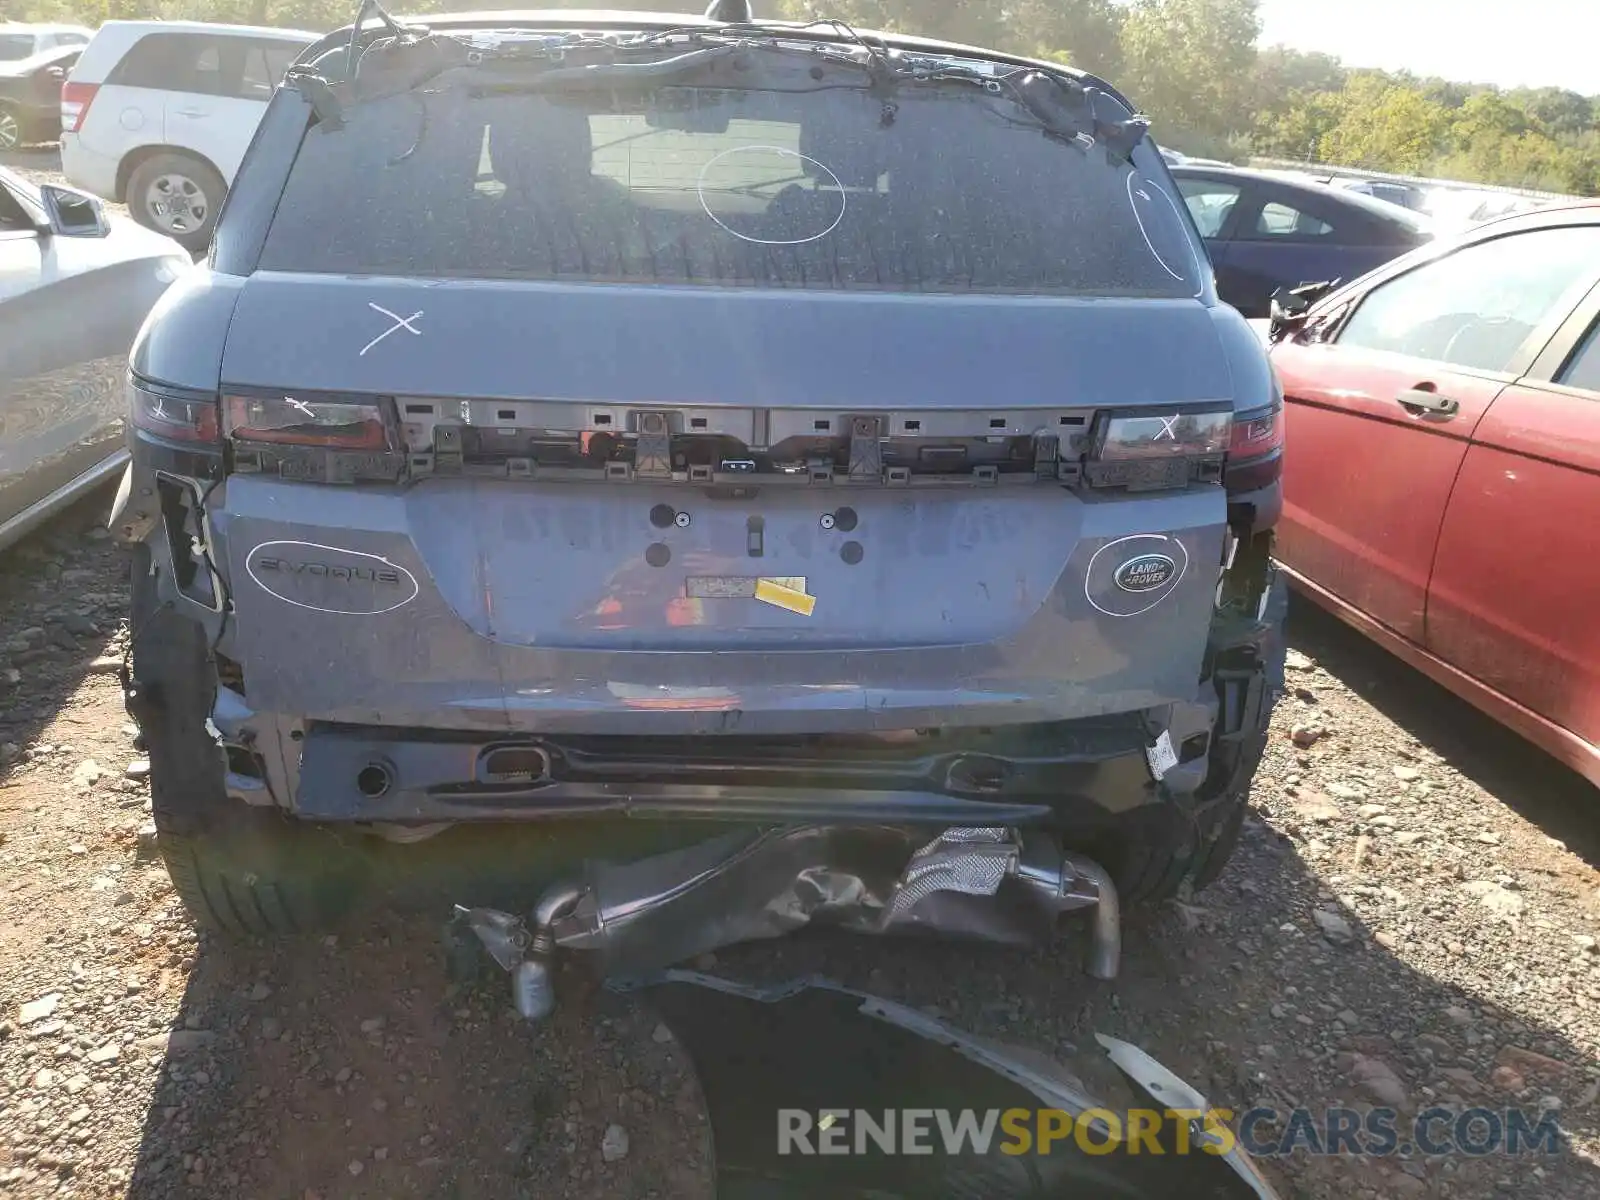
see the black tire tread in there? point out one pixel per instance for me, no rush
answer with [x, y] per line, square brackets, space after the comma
[215, 187]
[241, 871]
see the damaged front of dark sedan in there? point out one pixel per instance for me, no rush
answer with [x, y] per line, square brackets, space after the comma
[829, 448]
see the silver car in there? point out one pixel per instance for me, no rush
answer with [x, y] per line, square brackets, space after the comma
[75, 286]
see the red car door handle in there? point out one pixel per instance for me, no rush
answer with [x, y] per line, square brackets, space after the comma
[1423, 400]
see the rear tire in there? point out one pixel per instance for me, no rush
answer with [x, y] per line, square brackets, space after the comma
[240, 870]
[1191, 839]
[178, 195]
[1169, 846]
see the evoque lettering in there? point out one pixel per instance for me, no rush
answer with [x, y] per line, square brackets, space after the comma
[387, 575]
[330, 579]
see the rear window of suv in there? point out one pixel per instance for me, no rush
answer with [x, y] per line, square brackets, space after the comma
[206, 64]
[811, 188]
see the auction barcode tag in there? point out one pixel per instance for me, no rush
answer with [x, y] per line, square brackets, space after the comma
[1161, 757]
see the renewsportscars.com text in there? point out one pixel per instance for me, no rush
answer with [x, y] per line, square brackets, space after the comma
[1261, 1132]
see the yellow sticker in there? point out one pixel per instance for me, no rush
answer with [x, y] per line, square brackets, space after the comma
[782, 594]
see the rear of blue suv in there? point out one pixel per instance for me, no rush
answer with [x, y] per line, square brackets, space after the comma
[762, 425]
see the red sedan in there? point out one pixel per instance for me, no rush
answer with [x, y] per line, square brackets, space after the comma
[1443, 486]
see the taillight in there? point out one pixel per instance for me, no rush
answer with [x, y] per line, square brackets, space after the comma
[75, 101]
[1255, 451]
[291, 421]
[1158, 448]
[171, 415]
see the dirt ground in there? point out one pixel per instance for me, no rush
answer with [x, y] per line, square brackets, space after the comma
[1411, 919]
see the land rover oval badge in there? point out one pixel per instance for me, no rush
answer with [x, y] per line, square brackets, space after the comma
[1145, 573]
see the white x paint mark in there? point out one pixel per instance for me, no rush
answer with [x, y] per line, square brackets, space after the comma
[299, 405]
[399, 324]
[1167, 428]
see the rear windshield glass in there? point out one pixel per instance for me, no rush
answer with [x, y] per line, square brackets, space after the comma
[813, 188]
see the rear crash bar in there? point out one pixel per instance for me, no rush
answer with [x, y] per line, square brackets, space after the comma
[366, 774]
[993, 884]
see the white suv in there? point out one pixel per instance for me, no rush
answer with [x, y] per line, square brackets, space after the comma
[158, 114]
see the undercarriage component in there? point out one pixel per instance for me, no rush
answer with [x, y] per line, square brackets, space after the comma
[812, 1089]
[991, 884]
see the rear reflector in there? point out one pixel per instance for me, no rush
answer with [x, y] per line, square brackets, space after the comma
[290, 421]
[171, 415]
[75, 101]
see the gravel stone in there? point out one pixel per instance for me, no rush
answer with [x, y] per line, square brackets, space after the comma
[37, 1010]
[1380, 1082]
[1334, 927]
[614, 1145]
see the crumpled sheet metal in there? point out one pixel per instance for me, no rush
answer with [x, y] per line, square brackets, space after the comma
[748, 886]
[813, 1045]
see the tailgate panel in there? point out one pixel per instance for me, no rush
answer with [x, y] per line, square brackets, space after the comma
[536, 606]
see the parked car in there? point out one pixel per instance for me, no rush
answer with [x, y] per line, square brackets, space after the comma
[1449, 410]
[30, 96]
[1406, 195]
[74, 288]
[1265, 231]
[157, 115]
[785, 467]
[18, 41]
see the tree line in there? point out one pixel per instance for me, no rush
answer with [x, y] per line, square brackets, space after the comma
[1192, 65]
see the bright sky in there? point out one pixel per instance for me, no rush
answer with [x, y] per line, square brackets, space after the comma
[1513, 43]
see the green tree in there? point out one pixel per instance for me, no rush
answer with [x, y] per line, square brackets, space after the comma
[1486, 117]
[1385, 126]
[1188, 63]
[1087, 34]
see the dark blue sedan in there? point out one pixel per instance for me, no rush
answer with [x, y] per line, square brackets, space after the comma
[1267, 231]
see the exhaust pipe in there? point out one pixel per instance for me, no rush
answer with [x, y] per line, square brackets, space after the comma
[1065, 881]
[1105, 934]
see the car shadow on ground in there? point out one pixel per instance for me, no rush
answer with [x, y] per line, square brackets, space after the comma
[1548, 793]
[32, 158]
[354, 1065]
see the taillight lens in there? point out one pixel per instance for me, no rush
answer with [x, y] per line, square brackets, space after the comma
[173, 416]
[1165, 435]
[75, 101]
[1156, 449]
[291, 421]
[1255, 452]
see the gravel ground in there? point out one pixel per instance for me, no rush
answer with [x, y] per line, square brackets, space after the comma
[1410, 919]
[42, 164]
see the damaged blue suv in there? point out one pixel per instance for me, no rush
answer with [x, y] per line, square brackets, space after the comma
[829, 445]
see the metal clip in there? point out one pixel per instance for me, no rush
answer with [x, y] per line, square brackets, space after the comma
[653, 450]
[866, 451]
